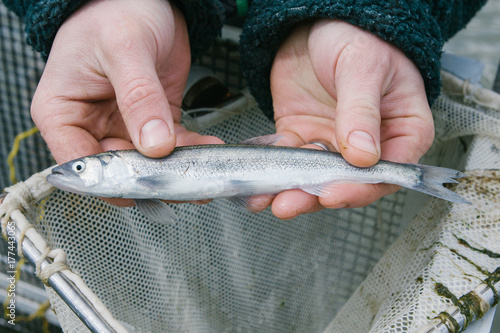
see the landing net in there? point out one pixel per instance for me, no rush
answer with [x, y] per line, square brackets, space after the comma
[406, 263]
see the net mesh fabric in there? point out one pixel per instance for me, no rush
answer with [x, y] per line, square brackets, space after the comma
[447, 250]
[222, 269]
[441, 246]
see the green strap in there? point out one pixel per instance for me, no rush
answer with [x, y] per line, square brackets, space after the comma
[242, 7]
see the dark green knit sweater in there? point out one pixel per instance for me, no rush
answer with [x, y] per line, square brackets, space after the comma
[43, 18]
[418, 27]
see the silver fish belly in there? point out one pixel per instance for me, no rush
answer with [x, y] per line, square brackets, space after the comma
[215, 171]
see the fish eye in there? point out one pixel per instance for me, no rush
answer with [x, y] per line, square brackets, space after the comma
[78, 166]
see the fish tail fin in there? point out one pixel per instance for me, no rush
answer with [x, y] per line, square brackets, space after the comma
[432, 180]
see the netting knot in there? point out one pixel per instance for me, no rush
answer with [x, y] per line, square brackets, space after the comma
[19, 197]
[58, 264]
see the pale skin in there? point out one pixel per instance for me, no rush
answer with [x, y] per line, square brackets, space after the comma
[116, 72]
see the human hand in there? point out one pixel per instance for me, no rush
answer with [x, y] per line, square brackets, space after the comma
[334, 83]
[114, 80]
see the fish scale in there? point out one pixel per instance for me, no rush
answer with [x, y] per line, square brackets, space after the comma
[236, 170]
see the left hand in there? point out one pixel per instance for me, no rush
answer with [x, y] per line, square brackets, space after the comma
[337, 84]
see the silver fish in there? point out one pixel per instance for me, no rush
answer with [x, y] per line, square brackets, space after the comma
[235, 171]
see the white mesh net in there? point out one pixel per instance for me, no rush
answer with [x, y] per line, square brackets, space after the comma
[443, 248]
[221, 269]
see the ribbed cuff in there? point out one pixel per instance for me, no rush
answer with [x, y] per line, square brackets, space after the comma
[408, 26]
[43, 19]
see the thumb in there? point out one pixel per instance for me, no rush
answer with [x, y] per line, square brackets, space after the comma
[143, 105]
[356, 81]
[357, 124]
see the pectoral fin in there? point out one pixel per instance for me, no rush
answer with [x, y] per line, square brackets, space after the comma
[157, 211]
[154, 181]
[241, 202]
[321, 190]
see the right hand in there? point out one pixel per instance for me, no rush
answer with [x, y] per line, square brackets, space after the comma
[334, 83]
[114, 80]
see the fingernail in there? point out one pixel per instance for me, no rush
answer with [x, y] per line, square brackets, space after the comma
[154, 133]
[362, 141]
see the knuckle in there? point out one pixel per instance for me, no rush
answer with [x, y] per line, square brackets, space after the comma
[139, 93]
[366, 105]
[363, 110]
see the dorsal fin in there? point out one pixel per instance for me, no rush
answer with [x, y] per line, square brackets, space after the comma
[267, 140]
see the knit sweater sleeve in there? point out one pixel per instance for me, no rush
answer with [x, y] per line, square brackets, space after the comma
[42, 19]
[418, 27]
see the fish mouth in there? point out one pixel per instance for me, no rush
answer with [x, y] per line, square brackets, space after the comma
[53, 177]
[57, 177]
[63, 179]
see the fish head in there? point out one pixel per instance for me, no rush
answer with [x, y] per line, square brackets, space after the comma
[82, 176]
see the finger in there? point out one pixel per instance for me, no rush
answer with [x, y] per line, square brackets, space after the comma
[298, 130]
[258, 203]
[142, 100]
[406, 140]
[146, 112]
[115, 144]
[408, 130]
[355, 195]
[356, 81]
[357, 121]
[292, 203]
